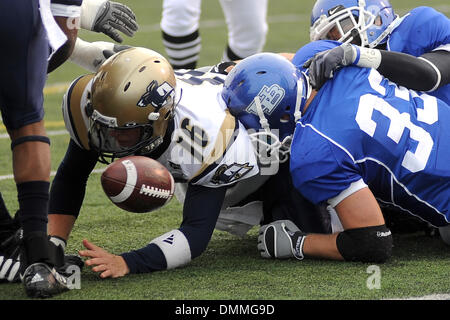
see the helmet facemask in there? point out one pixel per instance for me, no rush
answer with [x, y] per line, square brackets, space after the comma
[113, 142]
[347, 25]
[364, 22]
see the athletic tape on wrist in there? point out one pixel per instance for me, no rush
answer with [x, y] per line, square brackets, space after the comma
[367, 57]
[89, 10]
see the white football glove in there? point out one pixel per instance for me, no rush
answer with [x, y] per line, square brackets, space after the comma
[108, 17]
[281, 239]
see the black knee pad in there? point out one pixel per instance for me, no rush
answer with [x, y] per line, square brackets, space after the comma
[24, 139]
[370, 244]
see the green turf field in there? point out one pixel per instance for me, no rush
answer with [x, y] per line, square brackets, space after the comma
[231, 268]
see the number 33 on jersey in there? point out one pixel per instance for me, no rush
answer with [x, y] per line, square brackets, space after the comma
[362, 130]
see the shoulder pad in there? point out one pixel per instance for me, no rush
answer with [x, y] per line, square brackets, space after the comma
[73, 107]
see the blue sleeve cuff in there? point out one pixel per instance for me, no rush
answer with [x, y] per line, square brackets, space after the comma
[145, 260]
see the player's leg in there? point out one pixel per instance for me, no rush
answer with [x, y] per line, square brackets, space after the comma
[247, 27]
[24, 69]
[180, 32]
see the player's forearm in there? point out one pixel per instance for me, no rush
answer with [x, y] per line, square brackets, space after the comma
[426, 73]
[69, 185]
[178, 247]
[91, 55]
[322, 246]
[65, 51]
[145, 260]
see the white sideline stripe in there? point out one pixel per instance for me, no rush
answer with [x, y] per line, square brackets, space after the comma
[437, 296]
[52, 174]
[49, 133]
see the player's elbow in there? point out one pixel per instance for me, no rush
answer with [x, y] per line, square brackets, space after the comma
[65, 51]
[428, 77]
[369, 244]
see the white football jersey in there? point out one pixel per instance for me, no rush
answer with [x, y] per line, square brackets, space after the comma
[209, 146]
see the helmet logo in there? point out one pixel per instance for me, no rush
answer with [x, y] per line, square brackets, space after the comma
[156, 95]
[335, 9]
[270, 98]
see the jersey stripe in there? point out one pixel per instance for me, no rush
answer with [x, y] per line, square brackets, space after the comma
[223, 143]
[74, 108]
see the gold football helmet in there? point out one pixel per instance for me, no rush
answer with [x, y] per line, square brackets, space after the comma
[131, 103]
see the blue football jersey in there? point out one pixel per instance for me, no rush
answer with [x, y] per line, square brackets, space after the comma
[361, 128]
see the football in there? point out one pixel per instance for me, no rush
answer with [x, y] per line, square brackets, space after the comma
[137, 184]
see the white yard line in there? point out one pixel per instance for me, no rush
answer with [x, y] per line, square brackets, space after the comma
[52, 174]
[49, 133]
[437, 296]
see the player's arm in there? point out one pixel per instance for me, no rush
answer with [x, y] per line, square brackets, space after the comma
[68, 189]
[91, 55]
[365, 237]
[173, 249]
[66, 14]
[69, 185]
[425, 73]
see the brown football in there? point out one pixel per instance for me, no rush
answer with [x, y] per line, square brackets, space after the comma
[138, 184]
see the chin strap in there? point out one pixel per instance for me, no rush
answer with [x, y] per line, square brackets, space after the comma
[271, 149]
[280, 149]
[301, 95]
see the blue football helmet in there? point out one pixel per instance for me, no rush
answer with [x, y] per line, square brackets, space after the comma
[266, 93]
[363, 22]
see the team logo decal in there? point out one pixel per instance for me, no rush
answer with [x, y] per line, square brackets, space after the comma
[156, 95]
[230, 173]
[270, 97]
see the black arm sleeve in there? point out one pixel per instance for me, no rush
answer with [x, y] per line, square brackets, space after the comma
[441, 60]
[200, 212]
[414, 73]
[69, 185]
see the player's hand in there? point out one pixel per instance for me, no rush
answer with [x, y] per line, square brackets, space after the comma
[108, 17]
[281, 239]
[323, 65]
[109, 265]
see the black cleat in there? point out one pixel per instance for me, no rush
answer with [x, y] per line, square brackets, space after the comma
[41, 281]
[70, 261]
